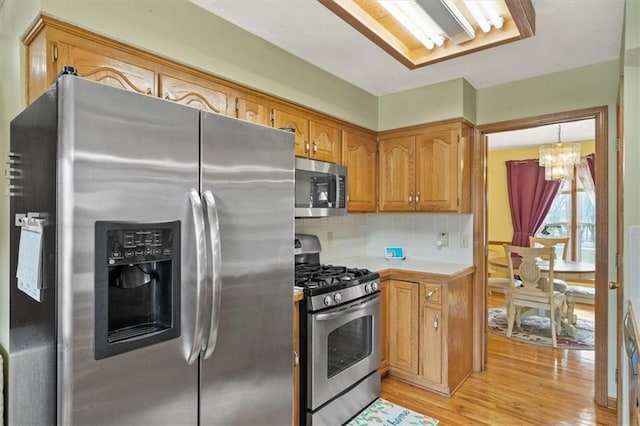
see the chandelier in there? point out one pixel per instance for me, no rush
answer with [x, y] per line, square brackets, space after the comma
[558, 159]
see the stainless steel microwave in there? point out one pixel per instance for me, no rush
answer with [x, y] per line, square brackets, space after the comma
[321, 189]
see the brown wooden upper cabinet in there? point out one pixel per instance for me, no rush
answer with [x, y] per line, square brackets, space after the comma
[251, 108]
[194, 91]
[50, 48]
[360, 155]
[425, 168]
[315, 139]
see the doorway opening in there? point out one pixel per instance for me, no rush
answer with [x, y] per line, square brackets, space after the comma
[599, 117]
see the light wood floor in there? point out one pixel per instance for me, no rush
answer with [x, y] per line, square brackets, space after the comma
[523, 384]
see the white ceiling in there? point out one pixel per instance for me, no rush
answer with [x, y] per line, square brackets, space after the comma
[569, 34]
[574, 131]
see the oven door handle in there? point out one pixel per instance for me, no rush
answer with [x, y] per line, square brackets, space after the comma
[350, 310]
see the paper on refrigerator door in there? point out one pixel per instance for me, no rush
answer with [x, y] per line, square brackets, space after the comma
[30, 261]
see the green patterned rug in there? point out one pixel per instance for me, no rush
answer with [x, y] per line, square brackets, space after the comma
[383, 412]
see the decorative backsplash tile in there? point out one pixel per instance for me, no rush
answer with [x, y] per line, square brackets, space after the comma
[369, 234]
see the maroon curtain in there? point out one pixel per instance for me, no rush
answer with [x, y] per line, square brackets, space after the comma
[530, 198]
[591, 162]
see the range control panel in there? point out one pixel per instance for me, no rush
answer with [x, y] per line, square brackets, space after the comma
[139, 245]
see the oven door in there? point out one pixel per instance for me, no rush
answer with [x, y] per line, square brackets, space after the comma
[343, 345]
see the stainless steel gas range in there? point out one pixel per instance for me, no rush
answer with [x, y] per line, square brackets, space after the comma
[339, 336]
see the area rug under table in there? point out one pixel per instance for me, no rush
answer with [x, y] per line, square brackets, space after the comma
[383, 412]
[535, 329]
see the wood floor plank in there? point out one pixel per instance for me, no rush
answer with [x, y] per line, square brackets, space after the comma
[523, 384]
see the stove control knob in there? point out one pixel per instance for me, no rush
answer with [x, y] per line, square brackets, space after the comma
[367, 288]
[374, 286]
[327, 300]
[337, 297]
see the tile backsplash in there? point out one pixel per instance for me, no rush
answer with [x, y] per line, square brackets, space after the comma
[368, 235]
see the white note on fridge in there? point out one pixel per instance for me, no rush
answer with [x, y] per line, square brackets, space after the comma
[29, 273]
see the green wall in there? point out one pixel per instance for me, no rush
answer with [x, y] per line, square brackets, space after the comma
[585, 87]
[423, 105]
[631, 140]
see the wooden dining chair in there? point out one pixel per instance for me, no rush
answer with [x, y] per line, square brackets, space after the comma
[560, 285]
[551, 242]
[497, 281]
[531, 288]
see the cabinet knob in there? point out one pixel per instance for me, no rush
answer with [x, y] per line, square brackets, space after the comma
[306, 147]
[613, 285]
[411, 198]
[315, 148]
[296, 358]
[436, 319]
[417, 197]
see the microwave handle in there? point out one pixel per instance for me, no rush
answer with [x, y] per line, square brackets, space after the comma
[337, 183]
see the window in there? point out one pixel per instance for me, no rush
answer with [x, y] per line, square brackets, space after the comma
[573, 215]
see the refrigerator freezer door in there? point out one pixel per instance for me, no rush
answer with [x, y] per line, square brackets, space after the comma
[130, 158]
[32, 327]
[248, 379]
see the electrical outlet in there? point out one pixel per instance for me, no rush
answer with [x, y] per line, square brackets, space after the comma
[330, 237]
[444, 239]
[464, 243]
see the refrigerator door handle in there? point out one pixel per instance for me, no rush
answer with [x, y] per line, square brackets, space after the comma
[201, 271]
[216, 275]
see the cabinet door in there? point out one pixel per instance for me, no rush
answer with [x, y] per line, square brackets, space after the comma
[437, 170]
[42, 65]
[324, 138]
[384, 325]
[99, 64]
[297, 122]
[431, 344]
[403, 325]
[251, 108]
[397, 174]
[360, 155]
[193, 91]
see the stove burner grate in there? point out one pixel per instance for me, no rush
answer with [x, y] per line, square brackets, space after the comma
[316, 275]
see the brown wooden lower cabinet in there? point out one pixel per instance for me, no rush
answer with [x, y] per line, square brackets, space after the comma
[430, 328]
[384, 327]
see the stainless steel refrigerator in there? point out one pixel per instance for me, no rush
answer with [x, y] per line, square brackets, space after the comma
[151, 263]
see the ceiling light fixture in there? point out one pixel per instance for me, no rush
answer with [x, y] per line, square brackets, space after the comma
[415, 20]
[450, 19]
[494, 17]
[478, 15]
[399, 34]
[558, 159]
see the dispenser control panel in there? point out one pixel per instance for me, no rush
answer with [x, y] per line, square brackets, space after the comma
[125, 246]
[137, 285]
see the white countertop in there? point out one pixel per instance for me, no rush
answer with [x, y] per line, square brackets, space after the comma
[380, 263]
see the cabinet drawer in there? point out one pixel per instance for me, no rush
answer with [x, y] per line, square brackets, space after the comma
[431, 293]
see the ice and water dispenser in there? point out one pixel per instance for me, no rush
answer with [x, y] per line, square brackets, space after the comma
[137, 288]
